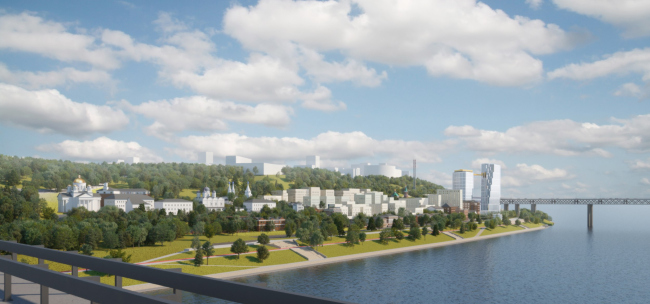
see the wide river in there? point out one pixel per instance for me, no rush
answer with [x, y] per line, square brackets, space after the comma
[566, 263]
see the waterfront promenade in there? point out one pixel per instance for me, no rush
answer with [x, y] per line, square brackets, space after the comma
[285, 267]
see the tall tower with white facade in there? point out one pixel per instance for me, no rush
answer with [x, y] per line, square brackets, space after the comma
[313, 161]
[464, 180]
[490, 188]
[206, 158]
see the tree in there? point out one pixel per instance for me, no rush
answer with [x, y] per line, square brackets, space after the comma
[199, 228]
[425, 231]
[209, 231]
[435, 231]
[399, 235]
[86, 249]
[316, 239]
[262, 253]
[398, 224]
[255, 170]
[478, 219]
[269, 226]
[239, 247]
[379, 223]
[321, 205]
[289, 229]
[303, 234]
[506, 220]
[415, 233]
[331, 230]
[198, 258]
[371, 224]
[362, 237]
[352, 236]
[49, 214]
[263, 239]
[208, 249]
[518, 222]
[462, 228]
[384, 235]
[12, 178]
[196, 242]
[217, 228]
[119, 254]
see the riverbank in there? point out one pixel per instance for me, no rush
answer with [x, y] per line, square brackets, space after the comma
[285, 267]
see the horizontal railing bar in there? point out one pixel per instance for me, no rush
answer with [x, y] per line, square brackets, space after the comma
[86, 289]
[227, 290]
[576, 201]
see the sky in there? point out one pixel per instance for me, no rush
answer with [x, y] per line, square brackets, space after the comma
[555, 91]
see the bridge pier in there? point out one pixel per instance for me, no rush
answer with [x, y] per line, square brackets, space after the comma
[533, 208]
[590, 216]
[505, 207]
[517, 209]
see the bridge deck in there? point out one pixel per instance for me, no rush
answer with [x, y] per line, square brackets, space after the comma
[576, 201]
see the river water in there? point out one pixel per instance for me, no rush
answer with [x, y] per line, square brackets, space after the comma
[566, 263]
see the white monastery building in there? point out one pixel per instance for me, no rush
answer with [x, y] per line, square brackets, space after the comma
[256, 205]
[212, 202]
[174, 205]
[128, 202]
[79, 195]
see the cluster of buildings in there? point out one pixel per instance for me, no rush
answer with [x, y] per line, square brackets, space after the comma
[349, 202]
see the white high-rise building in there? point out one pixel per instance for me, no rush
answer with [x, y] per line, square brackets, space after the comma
[313, 161]
[464, 180]
[206, 158]
[490, 188]
[132, 160]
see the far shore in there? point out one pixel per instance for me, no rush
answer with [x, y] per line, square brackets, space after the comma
[286, 267]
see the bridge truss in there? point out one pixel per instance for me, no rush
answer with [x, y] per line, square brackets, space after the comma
[576, 201]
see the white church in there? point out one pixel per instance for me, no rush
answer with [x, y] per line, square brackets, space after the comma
[79, 195]
[212, 202]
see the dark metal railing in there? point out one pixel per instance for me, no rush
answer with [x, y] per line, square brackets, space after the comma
[576, 201]
[227, 290]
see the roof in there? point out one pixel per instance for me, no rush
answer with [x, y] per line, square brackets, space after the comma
[128, 189]
[173, 200]
[446, 206]
[139, 198]
[257, 200]
[79, 180]
[463, 170]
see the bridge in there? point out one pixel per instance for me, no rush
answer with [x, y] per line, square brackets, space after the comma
[590, 202]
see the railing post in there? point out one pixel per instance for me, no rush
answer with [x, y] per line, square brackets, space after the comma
[118, 279]
[45, 291]
[75, 269]
[40, 261]
[7, 282]
[177, 295]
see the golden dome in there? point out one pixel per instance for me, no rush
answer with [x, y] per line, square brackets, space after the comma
[79, 180]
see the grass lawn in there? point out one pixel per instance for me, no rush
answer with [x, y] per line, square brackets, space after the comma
[369, 246]
[51, 199]
[188, 192]
[282, 180]
[547, 222]
[532, 225]
[501, 229]
[468, 234]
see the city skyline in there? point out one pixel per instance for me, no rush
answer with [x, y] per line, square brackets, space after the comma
[555, 92]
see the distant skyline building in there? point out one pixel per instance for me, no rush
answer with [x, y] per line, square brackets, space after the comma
[206, 158]
[490, 188]
[464, 180]
[366, 169]
[311, 161]
[132, 160]
[248, 164]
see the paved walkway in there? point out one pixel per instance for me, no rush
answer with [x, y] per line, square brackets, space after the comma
[27, 292]
[479, 232]
[453, 235]
[284, 244]
[308, 253]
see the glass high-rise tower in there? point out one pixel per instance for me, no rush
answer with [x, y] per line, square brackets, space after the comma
[464, 180]
[490, 188]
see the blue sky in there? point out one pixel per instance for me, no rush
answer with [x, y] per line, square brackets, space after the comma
[554, 90]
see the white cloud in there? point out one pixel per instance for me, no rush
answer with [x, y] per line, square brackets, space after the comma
[460, 39]
[476, 164]
[100, 149]
[619, 63]
[524, 174]
[632, 90]
[640, 165]
[320, 100]
[645, 181]
[329, 145]
[205, 114]
[348, 70]
[36, 80]
[29, 33]
[560, 137]
[441, 178]
[534, 4]
[631, 15]
[49, 111]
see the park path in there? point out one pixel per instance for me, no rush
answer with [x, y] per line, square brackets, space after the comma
[479, 232]
[522, 226]
[308, 253]
[453, 235]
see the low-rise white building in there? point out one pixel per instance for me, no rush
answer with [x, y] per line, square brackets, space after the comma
[79, 195]
[128, 202]
[107, 190]
[453, 198]
[256, 205]
[174, 205]
[297, 206]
